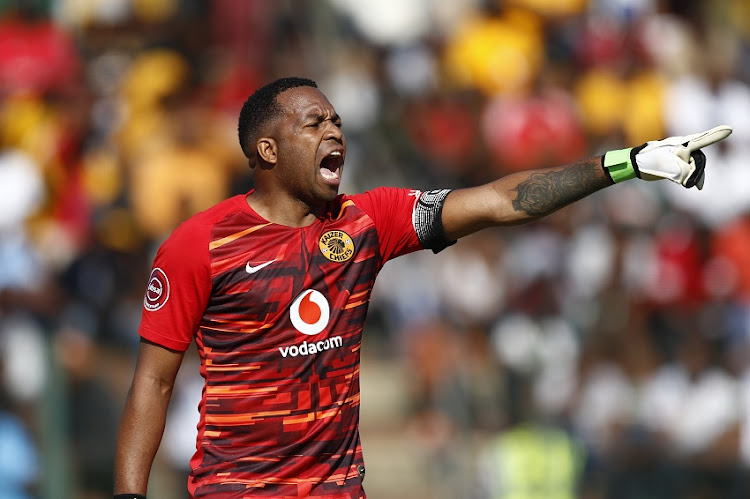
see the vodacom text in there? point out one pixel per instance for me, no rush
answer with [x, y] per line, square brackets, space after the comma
[311, 347]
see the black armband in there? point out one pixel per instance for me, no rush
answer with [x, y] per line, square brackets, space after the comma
[129, 496]
[428, 221]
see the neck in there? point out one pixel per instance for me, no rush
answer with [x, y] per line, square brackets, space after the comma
[290, 212]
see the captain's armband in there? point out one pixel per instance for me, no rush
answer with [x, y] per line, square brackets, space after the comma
[428, 222]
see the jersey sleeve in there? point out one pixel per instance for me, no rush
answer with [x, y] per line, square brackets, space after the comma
[397, 215]
[178, 288]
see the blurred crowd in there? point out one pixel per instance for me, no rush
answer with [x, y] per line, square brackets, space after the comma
[603, 352]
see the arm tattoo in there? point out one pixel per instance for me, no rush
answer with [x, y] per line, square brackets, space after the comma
[542, 193]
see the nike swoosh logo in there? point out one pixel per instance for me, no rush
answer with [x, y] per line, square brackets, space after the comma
[252, 270]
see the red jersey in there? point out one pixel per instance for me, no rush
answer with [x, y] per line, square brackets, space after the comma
[277, 315]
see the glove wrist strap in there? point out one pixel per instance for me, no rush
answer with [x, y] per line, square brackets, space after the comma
[618, 165]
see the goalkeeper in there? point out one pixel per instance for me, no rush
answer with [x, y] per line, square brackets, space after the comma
[273, 287]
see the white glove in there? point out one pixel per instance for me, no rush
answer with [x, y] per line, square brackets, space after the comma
[678, 159]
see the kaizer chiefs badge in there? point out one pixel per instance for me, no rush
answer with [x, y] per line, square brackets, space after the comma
[336, 245]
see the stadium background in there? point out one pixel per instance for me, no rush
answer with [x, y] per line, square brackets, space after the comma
[607, 345]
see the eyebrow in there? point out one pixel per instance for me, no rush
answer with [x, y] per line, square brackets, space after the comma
[319, 114]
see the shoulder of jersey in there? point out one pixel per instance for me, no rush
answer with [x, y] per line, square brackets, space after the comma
[218, 211]
[198, 226]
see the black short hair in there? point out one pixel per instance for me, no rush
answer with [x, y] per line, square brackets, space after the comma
[262, 106]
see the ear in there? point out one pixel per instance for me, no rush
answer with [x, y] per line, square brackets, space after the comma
[267, 150]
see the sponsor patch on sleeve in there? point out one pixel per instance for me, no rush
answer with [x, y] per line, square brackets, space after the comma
[157, 291]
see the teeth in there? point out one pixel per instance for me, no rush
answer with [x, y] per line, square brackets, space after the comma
[328, 174]
[336, 153]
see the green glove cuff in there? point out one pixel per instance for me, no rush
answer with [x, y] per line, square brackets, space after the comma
[618, 166]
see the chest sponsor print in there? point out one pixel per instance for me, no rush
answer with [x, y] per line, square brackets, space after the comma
[310, 313]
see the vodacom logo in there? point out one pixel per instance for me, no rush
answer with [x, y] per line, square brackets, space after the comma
[310, 312]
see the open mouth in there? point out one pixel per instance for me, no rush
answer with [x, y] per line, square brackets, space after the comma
[330, 167]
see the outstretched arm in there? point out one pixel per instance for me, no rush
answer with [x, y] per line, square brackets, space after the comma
[521, 197]
[526, 196]
[144, 416]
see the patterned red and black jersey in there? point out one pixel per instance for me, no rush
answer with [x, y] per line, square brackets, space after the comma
[277, 314]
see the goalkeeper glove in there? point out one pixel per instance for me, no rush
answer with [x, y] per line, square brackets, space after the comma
[678, 159]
